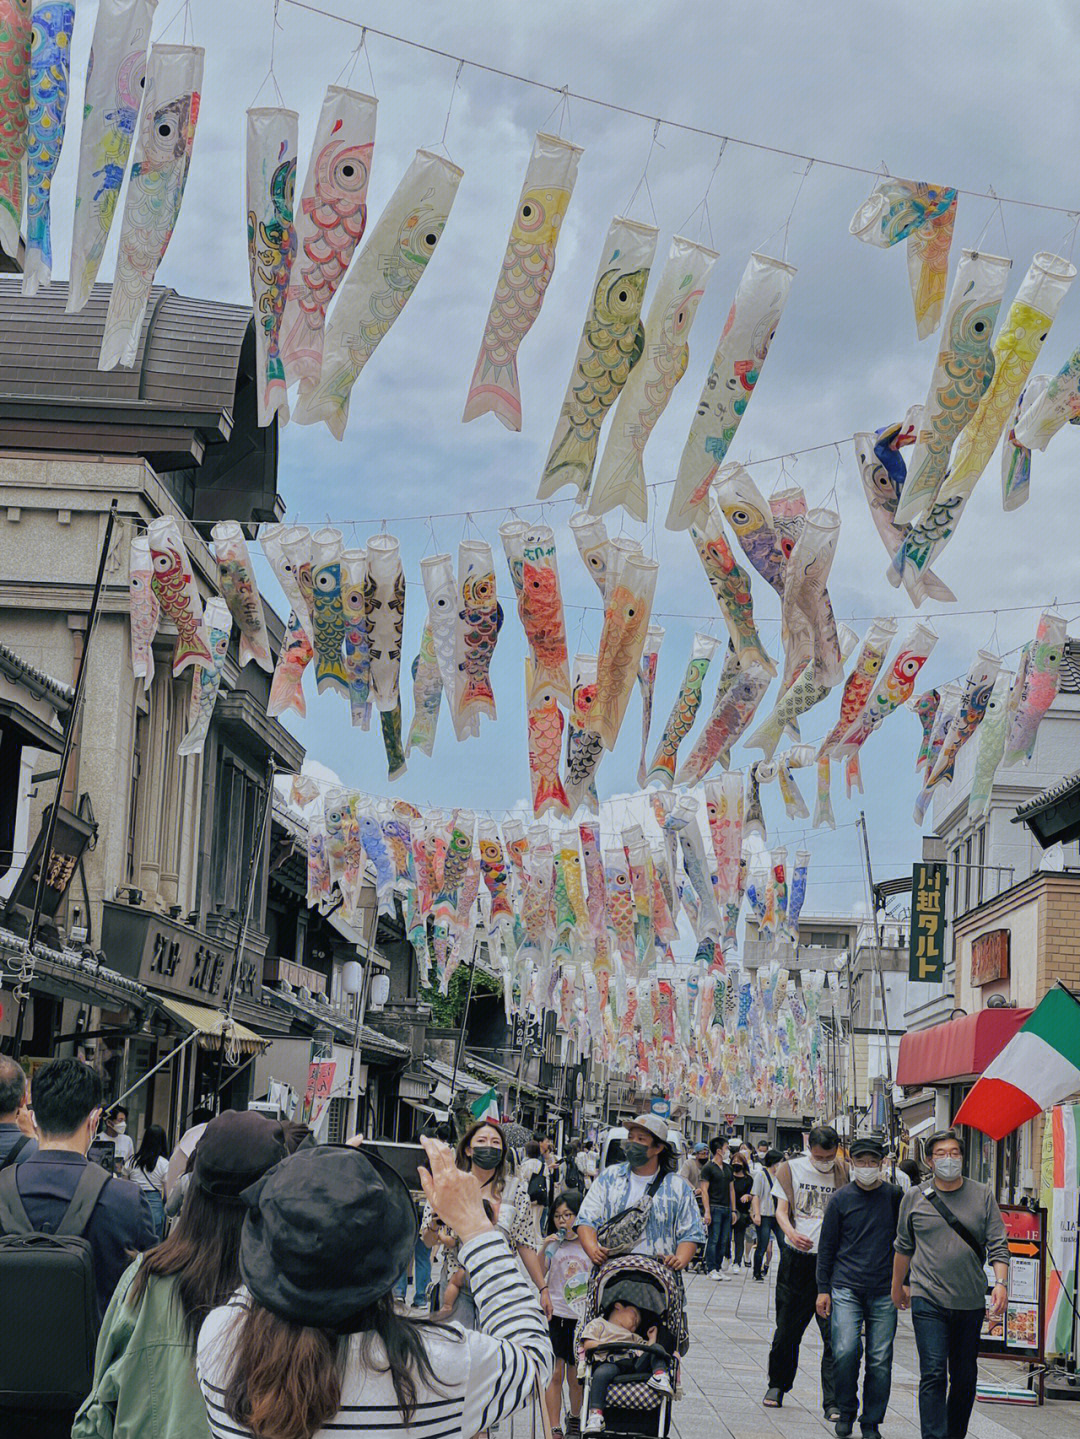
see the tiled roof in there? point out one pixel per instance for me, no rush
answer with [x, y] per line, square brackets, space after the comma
[1053, 794]
[1070, 668]
[59, 695]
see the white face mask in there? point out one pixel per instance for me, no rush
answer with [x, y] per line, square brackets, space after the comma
[867, 1175]
[948, 1167]
[120, 1127]
[824, 1166]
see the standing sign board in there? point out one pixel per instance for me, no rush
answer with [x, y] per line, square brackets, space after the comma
[927, 955]
[1018, 1333]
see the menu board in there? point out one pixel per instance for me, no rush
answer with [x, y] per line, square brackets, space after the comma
[1017, 1334]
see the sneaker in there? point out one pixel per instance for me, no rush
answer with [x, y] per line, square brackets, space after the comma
[573, 1426]
[419, 1309]
[759, 1279]
[717, 1275]
[594, 1423]
[774, 1399]
[870, 1431]
[844, 1428]
[659, 1381]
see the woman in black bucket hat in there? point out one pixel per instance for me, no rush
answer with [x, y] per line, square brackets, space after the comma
[313, 1340]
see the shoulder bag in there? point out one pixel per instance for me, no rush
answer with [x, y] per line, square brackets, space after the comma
[621, 1232]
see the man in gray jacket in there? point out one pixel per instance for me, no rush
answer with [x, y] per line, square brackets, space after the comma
[947, 1230]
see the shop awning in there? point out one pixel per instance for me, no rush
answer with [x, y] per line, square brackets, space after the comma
[440, 1114]
[958, 1049]
[212, 1026]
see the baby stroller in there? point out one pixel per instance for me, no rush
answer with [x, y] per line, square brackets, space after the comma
[632, 1406]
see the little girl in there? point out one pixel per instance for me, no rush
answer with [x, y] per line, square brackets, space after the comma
[568, 1269]
[623, 1324]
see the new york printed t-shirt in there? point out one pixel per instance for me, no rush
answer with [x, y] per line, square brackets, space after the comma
[812, 1191]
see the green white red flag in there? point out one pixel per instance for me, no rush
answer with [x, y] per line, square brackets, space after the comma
[1039, 1067]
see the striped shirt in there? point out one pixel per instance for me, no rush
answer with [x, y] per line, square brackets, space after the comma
[483, 1376]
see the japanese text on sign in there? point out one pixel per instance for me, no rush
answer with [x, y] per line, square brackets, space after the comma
[927, 956]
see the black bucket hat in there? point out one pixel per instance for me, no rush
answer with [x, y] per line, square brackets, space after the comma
[234, 1150]
[328, 1231]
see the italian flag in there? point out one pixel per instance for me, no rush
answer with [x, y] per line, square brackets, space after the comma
[1039, 1067]
[486, 1107]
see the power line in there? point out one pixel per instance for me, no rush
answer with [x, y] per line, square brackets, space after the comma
[565, 92]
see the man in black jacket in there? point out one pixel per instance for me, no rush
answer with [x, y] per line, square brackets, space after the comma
[854, 1278]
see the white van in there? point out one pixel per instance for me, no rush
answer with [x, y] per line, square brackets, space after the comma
[611, 1145]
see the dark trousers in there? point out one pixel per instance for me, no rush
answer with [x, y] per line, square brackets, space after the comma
[948, 1345]
[852, 1313]
[635, 1364]
[718, 1244]
[796, 1296]
[742, 1224]
[765, 1230]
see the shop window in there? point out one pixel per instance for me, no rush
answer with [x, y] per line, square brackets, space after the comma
[980, 850]
[335, 1121]
[238, 806]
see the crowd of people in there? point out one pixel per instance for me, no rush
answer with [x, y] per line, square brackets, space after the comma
[251, 1282]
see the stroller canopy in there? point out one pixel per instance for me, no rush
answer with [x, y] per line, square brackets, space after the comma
[645, 1283]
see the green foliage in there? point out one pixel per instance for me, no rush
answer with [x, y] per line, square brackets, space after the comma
[447, 1009]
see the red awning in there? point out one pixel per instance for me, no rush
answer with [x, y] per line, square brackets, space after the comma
[958, 1049]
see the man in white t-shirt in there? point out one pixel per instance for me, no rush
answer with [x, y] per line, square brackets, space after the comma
[802, 1187]
[116, 1130]
[181, 1155]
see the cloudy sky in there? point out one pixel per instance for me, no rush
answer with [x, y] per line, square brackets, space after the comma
[974, 95]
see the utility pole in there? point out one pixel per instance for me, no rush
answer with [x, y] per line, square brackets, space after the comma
[890, 1113]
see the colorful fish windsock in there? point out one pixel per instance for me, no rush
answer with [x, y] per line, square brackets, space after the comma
[273, 540]
[15, 30]
[270, 183]
[286, 687]
[738, 695]
[747, 512]
[809, 625]
[650, 658]
[356, 641]
[330, 217]
[114, 91]
[527, 268]
[620, 479]
[736, 366]
[1058, 404]
[992, 735]
[390, 722]
[622, 640]
[894, 688]
[731, 586]
[541, 608]
[612, 343]
[444, 605]
[159, 173]
[378, 285]
[50, 79]
[861, 680]
[805, 691]
[1039, 682]
[1016, 349]
[384, 608]
[1016, 457]
[591, 537]
[584, 749]
[427, 695]
[724, 804]
[944, 721]
[237, 579]
[328, 610]
[974, 698]
[545, 727]
[512, 533]
[883, 472]
[145, 609]
[174, 585]
[823, 810]
[924, 216]
[687, 703]
[205, 683]
[477, 624]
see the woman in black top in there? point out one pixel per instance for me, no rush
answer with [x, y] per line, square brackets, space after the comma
[743, 1182]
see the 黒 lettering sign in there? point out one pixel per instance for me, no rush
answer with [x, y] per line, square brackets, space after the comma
[927, 954]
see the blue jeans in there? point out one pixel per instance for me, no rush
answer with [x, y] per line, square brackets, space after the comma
[421, 1274]
[718, 1244]
[948, 1345]
[765, 1230]
[157, 1210]
[850, 1311]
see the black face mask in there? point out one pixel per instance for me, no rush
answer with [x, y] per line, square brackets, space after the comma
[487, 1156]
[635, 1154]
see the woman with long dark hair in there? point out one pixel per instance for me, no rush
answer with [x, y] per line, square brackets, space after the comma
[148, 1170]
[144, 1374]
[314, 1341]
[483, 1151]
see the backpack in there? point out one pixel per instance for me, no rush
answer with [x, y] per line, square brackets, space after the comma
[47, 1280]
[538, 1188]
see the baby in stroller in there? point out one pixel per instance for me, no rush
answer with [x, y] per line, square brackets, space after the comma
[629, 1339]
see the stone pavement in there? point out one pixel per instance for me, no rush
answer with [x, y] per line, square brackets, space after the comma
[724, 1378]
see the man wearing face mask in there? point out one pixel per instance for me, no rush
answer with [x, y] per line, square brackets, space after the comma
[116, 1129]
[948, 1230]
[673, 1229]
[802, 1188]
[854, 1278]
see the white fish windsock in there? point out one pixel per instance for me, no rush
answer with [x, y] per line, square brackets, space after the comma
[883, 473]
[540, 606]
[591, 537]
[584, 749]
[378, 285]
[1016, 457]
[992, 735]
[50, 81]
[747, 511]
[1039, 680]
[924, 215]
[735, 369]
[724, 801]
[1057, 405]
[427, 695]
[684, 711]
[237, 579]
[385, 613]
[114, 92]
[512, 533]
[810, 631]
[174, 585]
[622, 640]
[297, 652]
[155, 190]
[330, 217]
[612, 343]
[440, 588]
[650, 659]
[620, 479]
[270, 186]
[205, 683]
[974, 698]
[328, 610]
[1016, 349]
[356, 642]
[526, 270]
[145, 609]
[731, 586]
[273, 540]
[861, 680]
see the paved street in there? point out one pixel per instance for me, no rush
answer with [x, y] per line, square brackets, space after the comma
[724, 1378]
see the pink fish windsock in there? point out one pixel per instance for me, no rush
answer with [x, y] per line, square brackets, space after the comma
[894, 688]
[527, 268]
[545, 724]
[206, 683]
[861, 680]
[237, 579]
[733, 709]
[177, 593]
[145, 609]
[286, 687]
[1038, 689]
[330, 218]
[974, 698]
[622, 640]
[650, 658]
[724, 803]
[810, 631]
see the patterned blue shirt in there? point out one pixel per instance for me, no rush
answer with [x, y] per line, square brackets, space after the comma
[674, 1217]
